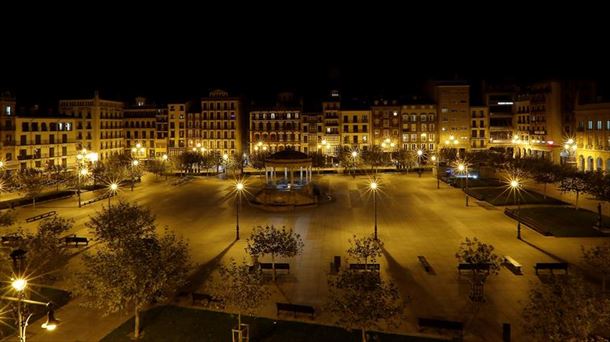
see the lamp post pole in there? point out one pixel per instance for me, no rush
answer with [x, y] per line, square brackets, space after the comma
[375, 205]
[239, 187]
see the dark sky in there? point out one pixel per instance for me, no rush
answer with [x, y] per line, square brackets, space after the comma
[382, 53]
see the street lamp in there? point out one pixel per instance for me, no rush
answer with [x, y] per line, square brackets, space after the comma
[462, 169]
[134, 164]
[239, 187]
[354, 156]
[515, 187]
[373, 186]
[81, 173]
[164, 159]
[438, 179]
[114, 187]
[20, 285]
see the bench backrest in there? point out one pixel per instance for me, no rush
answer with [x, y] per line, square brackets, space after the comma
[467, 266]
[295, 307]
[552, 265]
[439, 323]
[76, 239]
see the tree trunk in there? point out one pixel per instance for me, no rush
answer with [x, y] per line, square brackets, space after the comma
[577, 193]
[544, 190]
[34, 202]
[273, 265]
[603, 284]
[136, 328]
[363, 335]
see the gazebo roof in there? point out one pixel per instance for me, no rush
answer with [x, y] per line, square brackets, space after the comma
[288, 155]
[288, 158]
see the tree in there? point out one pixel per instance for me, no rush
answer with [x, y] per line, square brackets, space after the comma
[545, 172]
[257, 160]
[373, 157]
[448, 154]
[7, 218]
[122, 222]
[32, 183]
[132, 269]
[365, 249]
[239, 288]
[318, 159]
[565, 309]
[275, 242]
[573, 182]
[45, 250]
[475, 252]
[361, 300]
[598, 257]
[598, 186]
[406, 159]
[58, 175]
[158, 167]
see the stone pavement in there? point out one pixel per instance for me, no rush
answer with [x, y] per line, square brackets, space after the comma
[414, 219]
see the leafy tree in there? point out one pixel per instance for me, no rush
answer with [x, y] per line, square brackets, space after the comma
[275, 242]
[32, 183]
[598, 257]
[158, 167]
[45, 250]
[573, 182]
[448, 154]
[361, 300]
[132, 269]
[373, 157]
[545, 172]
[598, 185]
[475, 252]
[122, 222]
[257, 160]
[366, 249]
[317, 159]
[406, 159]
[7, 218]
[241, 289]
[59, 175]
[565, 309]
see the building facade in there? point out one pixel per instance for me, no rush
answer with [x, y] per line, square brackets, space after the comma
[219, 127]
[479, 128]
[453, 103]
[140, 125]
[331, 111]
[312, 132]
[592, 137]
[176, 119]
[419, 127]
[386, 124]
[99, 124]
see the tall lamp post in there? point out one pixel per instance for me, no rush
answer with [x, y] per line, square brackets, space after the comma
[373, 186]
[113, 188]
[20, 286]
[134, 164]
[239, 187]
[164, 161]
[438, 180]
[515, 186]
[354, 156]
[462, 169]
[420, 153]
[81, 173]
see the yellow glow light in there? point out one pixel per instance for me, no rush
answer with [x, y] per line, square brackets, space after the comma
[19, 284]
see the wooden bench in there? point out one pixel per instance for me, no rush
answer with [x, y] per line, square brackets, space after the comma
[76, 240]
[41, 216]
[295, 308]
[440, 324]
[200, 298]
[425, 264]
[514, 265]
[11, 239]
[473, 267]
[278, 266]
[551, 266]
[374, 267]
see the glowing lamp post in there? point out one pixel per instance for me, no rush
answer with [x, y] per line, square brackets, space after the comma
[113, 188]
[134, 164]
[373, 186]
[515, 187]
[239, 188]
[354, 156]
[19, 285]
[438, 179]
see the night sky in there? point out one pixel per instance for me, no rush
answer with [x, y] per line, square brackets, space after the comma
[182, 58]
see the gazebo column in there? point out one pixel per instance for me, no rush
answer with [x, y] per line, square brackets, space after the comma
[266, 176]
[301, 175]
[291, 177]
[286, 174]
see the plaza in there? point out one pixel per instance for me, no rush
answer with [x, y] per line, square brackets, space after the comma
[414, 219]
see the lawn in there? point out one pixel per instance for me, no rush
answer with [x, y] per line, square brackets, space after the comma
[173, 323]
[502, 196]
[563, 221]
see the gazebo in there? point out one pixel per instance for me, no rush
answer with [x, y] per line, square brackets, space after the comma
[287, 182]
[281, 169]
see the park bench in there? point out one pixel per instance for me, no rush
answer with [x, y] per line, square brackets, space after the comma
[512, 263]
[551, 266]
[425, 263]
[41, 216]
[472, 267]
[278, 266]
[295, 308]
[440, 324]
[11, 239]
[200, 298]
[374, 267]
[76, 240]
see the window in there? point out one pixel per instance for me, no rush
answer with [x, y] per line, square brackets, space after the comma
[590, 124]
[599, 125]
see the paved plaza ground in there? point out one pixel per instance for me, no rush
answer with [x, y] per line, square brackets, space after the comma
[415, 219]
